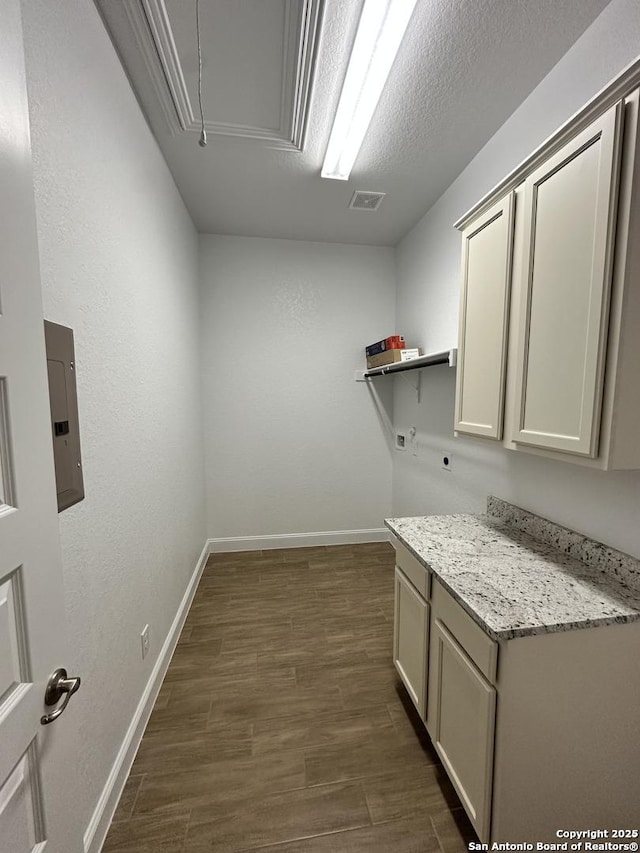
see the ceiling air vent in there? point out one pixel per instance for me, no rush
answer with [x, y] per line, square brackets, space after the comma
[366, 200]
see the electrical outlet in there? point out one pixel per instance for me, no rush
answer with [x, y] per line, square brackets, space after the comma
[144, 639]
[401, 441]
[446, 460]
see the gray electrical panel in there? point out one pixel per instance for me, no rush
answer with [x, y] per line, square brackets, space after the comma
[65, 430]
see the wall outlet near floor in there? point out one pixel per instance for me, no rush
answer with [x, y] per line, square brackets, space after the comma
[144, 640]
[446, 460]
[401, 441]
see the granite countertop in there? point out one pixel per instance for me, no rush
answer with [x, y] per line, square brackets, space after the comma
[515, 584]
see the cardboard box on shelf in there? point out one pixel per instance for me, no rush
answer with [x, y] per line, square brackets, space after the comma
[392, 342]
[393, 356]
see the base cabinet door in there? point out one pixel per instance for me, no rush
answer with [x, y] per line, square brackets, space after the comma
[410, 640]
[461, 724]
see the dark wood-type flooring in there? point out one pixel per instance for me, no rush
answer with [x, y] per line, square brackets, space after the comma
[281, 724]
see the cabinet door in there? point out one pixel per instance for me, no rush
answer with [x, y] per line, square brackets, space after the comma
[461, 724]
[410, 640]
[484, 319]
[563, 283]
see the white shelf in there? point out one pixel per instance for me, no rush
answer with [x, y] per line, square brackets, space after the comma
[447, 356]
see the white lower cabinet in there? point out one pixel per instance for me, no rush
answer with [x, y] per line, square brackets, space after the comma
[546, 741]
[462, 712]
[410, 640]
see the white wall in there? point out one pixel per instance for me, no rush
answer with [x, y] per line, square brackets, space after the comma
[119, 265]
[293, 443]
[605, 506]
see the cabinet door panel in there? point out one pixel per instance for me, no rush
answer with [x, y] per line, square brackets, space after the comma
[410, 640]
[569, 212]
[484, 316]
[462, 715]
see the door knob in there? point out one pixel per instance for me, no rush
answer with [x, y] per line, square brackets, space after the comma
[57, 686]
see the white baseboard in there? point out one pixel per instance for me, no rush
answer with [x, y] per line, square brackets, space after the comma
[299, 540]
[98, 827]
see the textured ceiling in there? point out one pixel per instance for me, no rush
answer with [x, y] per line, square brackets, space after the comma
[464, 66]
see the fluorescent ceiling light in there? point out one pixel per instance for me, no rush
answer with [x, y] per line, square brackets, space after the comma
[380, 31]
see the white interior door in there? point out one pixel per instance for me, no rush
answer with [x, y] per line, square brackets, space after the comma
[31, 600]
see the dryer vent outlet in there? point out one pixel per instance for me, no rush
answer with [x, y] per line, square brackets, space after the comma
[362, 200]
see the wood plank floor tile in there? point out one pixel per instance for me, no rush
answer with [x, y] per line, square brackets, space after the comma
[156, 834]
[294, 656]
[164, 694]
[283, 703]
[362, 696]
[128, 796]
[177, 749]
[343, 630]
[233, 558]
[376, 641]
[326, 566]
[277, 627]
[182, 711]
[399, 796]
[293, 571]
[385, 548]
[222, 782]
[407, 722]
[314, 658]
[358, 757]
[295, 554]
[348, 671]
[251, 824]
[376, 648]
[412, 835]
[195, 652]
[220, 684]
[336, 551]
[233, 613]
[301, 637]
[316, 729]
[282, 725]
[187, 667]
[454, 831]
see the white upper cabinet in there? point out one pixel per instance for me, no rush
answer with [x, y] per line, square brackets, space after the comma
[565, 275]
[550, 302]
[484, 312]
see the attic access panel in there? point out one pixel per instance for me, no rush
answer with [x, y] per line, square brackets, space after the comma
[65, 432]
[258, 63]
